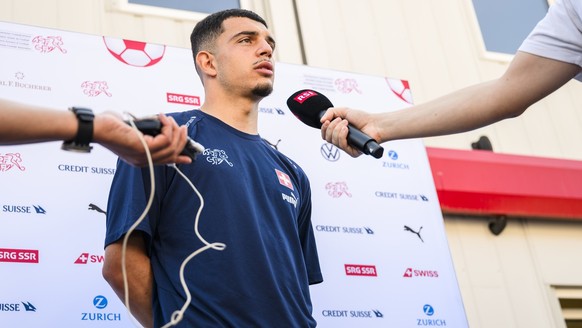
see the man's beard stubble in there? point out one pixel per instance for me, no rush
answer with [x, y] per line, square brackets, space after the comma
[262, 90]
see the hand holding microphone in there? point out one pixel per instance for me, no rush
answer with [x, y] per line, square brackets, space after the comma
[310, 106]
[153, 127]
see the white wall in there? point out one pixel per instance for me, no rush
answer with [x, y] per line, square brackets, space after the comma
[117, 18]
[98, 17]
[507, 280]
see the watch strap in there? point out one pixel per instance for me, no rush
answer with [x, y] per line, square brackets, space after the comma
[82, 140]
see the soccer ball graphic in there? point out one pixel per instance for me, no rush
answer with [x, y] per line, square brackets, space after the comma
[401, 89]
[135, 53]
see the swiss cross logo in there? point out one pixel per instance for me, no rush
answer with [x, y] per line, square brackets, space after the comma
[82, 259]
[284, 179]
[410, 273]
[86, 258]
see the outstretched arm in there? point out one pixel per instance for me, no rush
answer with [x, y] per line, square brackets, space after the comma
[528, 79]
[21, 123]
[122, 140]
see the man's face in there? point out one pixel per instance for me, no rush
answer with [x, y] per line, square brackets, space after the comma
[244, 57]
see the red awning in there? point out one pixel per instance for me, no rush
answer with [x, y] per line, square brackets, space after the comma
[478, 182]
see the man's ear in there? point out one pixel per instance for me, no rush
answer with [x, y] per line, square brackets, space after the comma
[206, 63]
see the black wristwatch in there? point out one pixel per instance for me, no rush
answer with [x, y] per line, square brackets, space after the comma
[84, 136]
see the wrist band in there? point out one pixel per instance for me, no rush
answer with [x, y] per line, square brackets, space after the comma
[84, 136]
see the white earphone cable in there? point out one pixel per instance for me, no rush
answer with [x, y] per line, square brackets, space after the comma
[177, 315]
[136, 223]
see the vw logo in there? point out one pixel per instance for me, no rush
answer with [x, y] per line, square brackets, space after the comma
[330, 152]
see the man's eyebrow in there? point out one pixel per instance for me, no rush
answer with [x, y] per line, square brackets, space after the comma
[249, 33]
[253, 33]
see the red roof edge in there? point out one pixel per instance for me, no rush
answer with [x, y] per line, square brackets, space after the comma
[479, 182]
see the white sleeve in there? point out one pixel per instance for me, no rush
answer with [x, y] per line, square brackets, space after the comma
[559, 34]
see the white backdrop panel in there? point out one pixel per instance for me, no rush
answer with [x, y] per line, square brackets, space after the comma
[378, 224]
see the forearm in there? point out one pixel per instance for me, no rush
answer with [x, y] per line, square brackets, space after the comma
[139, 276]
[21, 123]
[461, 111]
[140, 298]
[528, 79]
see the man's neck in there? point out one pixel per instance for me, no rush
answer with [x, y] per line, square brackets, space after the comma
[240, 113]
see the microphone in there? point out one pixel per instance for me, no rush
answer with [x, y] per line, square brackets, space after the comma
[153, 127]
[309, 106]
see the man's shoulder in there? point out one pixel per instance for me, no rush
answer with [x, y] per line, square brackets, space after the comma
[186, 117]
[290, 164]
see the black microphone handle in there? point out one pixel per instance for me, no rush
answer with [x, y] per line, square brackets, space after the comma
[153, 127]
[362, 141]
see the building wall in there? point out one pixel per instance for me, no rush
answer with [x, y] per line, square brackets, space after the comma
[100, 17]
[508, 280]
[118, 19]
[505, 280]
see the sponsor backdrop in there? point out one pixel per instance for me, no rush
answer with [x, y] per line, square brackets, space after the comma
[378, 224]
